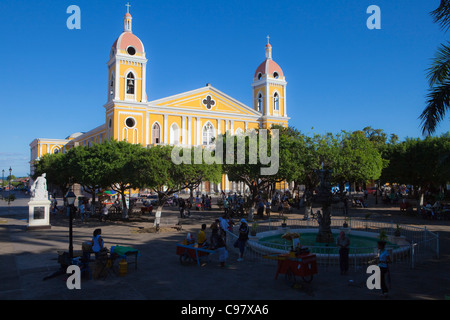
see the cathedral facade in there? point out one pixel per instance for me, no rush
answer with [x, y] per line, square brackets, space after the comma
[190, 118]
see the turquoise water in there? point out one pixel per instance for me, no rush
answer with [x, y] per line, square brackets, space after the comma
[358, 244]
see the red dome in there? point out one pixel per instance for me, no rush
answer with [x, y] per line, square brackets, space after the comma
[127, 39]
[269, 67]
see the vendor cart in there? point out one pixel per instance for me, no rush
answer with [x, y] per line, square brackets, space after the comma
[193, 252]
[304, 266]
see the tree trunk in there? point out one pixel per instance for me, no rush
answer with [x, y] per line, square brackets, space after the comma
[93, 202]
[124, 205]
[191, 195]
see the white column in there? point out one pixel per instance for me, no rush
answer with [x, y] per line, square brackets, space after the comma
[165, 128]
[116, 80]
[227, 183]
[285, 105]
[232, 126]
[218, 127]
[189, 130]
[198, 131]
[148, 128]
[183, 130]
[246, 125]
[268, 102]
[144, 77]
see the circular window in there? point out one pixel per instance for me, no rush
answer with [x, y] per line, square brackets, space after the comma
[130, 122]
[131, 51]
[275, 75]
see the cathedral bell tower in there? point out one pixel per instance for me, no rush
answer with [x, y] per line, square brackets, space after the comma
[126, 87]
[269, 90]
[127, 66]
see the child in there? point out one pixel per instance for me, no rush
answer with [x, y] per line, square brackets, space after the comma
[189, 239]
[202, 237]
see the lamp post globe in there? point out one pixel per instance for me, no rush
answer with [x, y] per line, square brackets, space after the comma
[70, 197]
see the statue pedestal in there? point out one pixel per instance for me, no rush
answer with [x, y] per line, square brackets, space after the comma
[39, 214]
[325, 237]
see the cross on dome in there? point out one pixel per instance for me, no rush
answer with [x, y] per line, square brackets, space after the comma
[127, 19]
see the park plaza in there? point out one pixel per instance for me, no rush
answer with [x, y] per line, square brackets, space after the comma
[192, 118]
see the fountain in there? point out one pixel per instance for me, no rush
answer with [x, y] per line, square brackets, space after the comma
[324, 198]
[321, 241]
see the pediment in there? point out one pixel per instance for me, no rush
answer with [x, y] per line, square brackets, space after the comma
[206, 99]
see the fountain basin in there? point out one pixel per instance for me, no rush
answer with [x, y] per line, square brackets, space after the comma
[363, 244]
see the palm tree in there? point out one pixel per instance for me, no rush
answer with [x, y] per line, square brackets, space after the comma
[438, 99]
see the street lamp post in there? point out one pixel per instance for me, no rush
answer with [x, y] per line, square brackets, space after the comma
[9, 186]
[3, 183]
[70, 197]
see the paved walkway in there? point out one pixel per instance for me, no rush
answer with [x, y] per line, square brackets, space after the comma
[27, 257]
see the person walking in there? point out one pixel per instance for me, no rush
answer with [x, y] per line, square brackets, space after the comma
[225, 206]
[242, 239]
[182, 206]
[82, 212]
[104, 212]
[343, 242]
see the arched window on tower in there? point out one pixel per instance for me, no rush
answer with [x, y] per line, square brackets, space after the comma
[259, 103]
[156, 134]
[208, 134]
[276, 102]
[130, 83]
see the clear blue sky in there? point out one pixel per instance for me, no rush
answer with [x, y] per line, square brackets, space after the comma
[341, 75]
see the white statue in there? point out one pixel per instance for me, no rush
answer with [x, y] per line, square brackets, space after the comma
[39, 189]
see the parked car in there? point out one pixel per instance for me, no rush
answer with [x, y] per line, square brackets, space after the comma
[372, 190]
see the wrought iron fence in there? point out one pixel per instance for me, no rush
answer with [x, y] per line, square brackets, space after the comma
[416, 245]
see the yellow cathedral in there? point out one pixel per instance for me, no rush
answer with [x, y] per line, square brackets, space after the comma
[189, 119]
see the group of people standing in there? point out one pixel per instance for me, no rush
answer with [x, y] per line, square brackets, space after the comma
[218, 238]
[185, 205]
